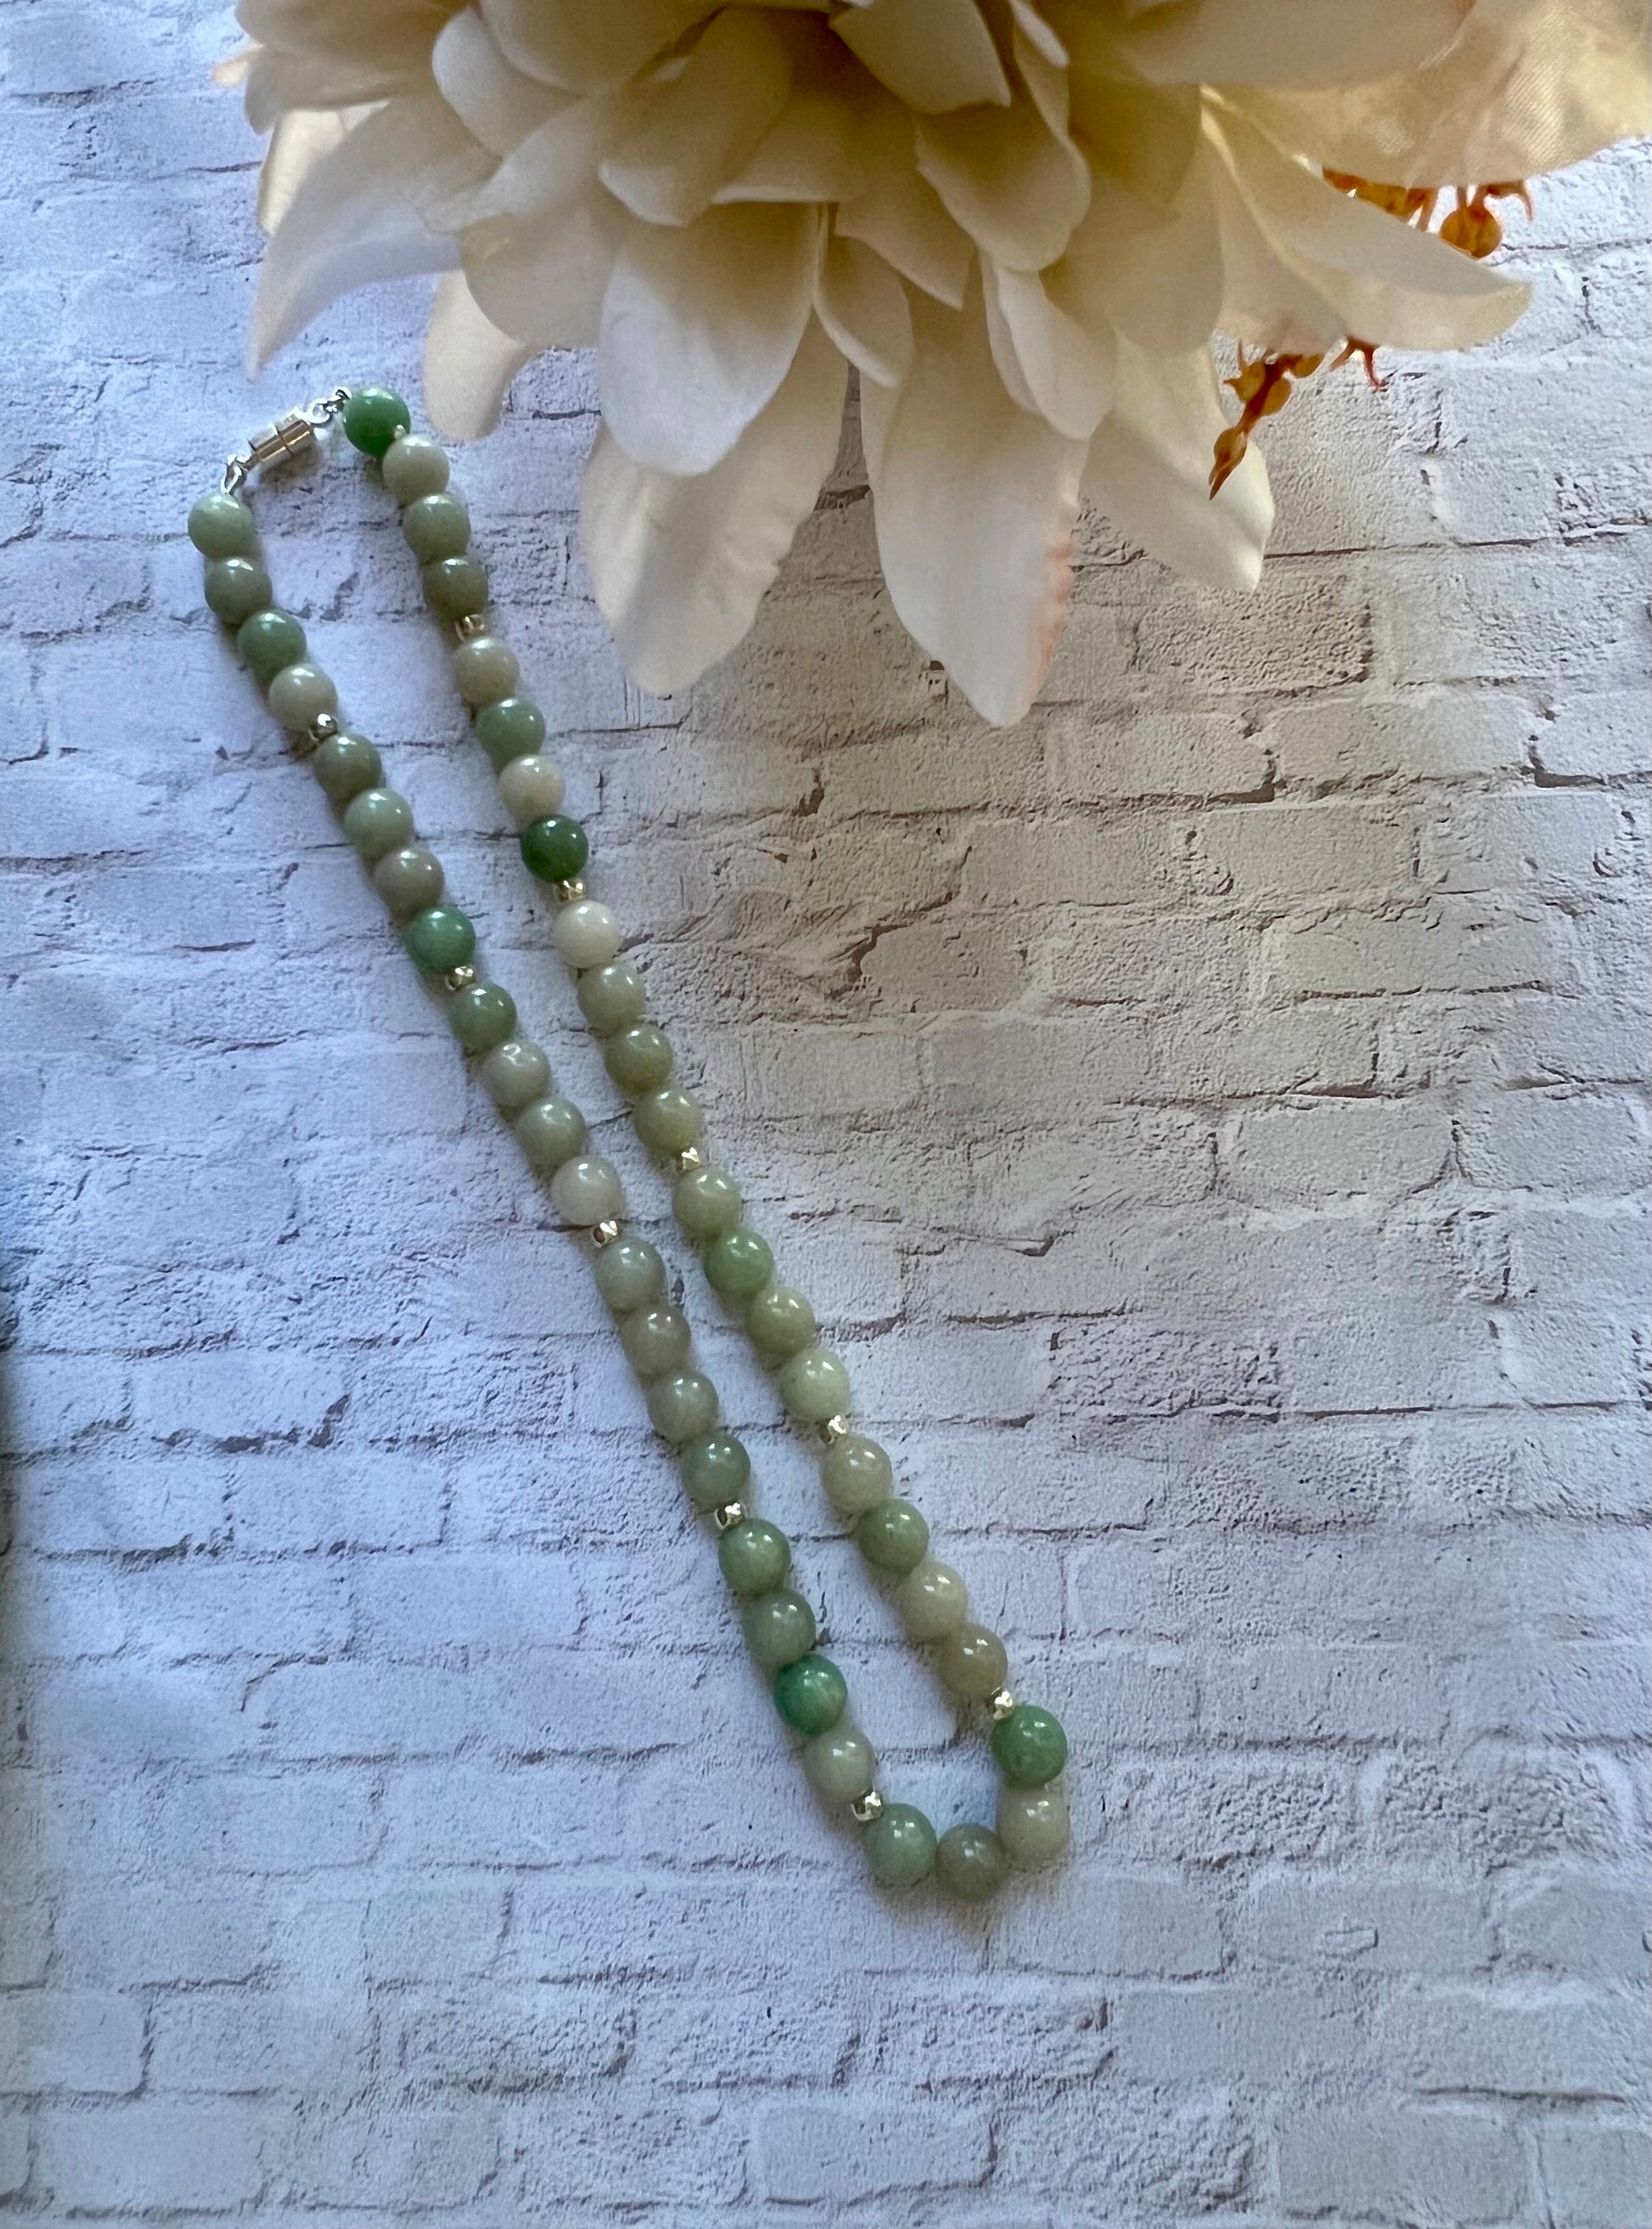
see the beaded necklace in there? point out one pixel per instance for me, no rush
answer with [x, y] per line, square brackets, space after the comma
[971, 1861]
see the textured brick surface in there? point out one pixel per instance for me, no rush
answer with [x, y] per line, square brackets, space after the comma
[1212, 1119]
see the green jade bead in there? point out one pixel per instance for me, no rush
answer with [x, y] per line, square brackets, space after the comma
[811, 1695]
[780, 1322]
[456, 588]
[377, 821]
[630, 1274]
[220, 525]
[715, 1467]
[899, 1846]
[437, 526]
[235, 588]
[482, 1016]
[779, 1628]
[267, 641]
[840, 1766]
[373, 418]
[682, 1406]
[706, 1203]
[408, 880]
[892, 1537]
[611, 997]
[345, 765]
[655, 1340]
[814, 1385]
[755, 1556]
[515, 1074]
[972, 1662]
[971, 1863]
[512, 728]
[550, 1131]
[1034, 1825]
[1029, 1746]
[639, 1058]
[300, 694]
[554, 849]
[667, 1122]
[739, 1264]
[856, 1473]
[440, 937]
[484, 669]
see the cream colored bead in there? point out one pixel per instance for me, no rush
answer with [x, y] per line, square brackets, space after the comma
[587, 1191]
[932, 1599]
[1034, 1825]
[531, 787]
[586, 934]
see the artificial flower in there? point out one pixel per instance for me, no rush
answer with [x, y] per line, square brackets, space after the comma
[1021, 222]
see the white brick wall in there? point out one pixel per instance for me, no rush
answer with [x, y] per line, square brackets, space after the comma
[1211, 1115]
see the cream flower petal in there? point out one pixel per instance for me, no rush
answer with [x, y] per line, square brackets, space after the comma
[1149, 463]
[496, 104]
[1062, 370]
[587, 45]
[699, 327]
[933, 54]
[299, 140]
[679, 566]
[698, 127]
[1017, 190]
[312, 54]
[1302, 42]
[902, 218]
[805, 156]
[358, 216]
[469, 363]
[863, 306]
[1155, 275]
[975, 502]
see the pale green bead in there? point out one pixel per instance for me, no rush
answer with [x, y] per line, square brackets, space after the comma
[639, 1058]
[484, 669]
[586, 934]
[455, 587]
[682, 1405]
[551, 1131]
[483, 1016]
[779, 1322]
[300, 694]
[587, 1191]
[932, 1601]
[856, 1473]
[515, 1074]
[408, 879]
[655, 1340]
[235, 588]
[715, 1467]
[754, 1555]
[1034, 1825]
[814, 1385]
[377, 821]
[437, 526]
[667, 1122]
[611, 997]
[779, 1628]
[414, 466]
[345, 765]
[630, 1274]
[899, 1846]
[706, 1202]
[220, 525]
[840, 1766]
[972, 1662]
[971, 1863]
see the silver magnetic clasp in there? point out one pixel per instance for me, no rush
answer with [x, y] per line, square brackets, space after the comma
[289, 437]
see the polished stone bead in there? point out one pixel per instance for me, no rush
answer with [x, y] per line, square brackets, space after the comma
[682, 1405]
[755, 1556]
[408, 880]
[667, 1121]
[706, 1202]
[899, 1846]
[779, 1628]
[485, 669]
[811, 1695]
[631, 1275]
[932, 1601]
[235, 588]
[482, 1016]
[437, 526]
[739, 1264]
[551, 1131]
[586, 934]
[587, 1191]
[655, 1340]
[221, 525]
[841, 1765]
[1030, 1746]
[415, 467]
[1034, 1825]
[779, 1322]
[300, 694]
[611, 997]
[856, 1473]
[345, 765]
[892, 1537]
[378, 821]
[555, 848]
[638, 1059]
[972, 1662]
[441, 937]
[532, 788]
[456, 587]
[814, 1385]
[269, 641]
[509, 730]
[373, 418]
[515, 1074]
[715, 1467]
[971, 1863]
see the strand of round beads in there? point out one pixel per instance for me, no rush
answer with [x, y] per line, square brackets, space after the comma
[809, 1692]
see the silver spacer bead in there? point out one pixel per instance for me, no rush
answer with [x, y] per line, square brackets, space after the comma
[1002, 1703]
[835, 1428]
[324, 725]
[567, 892]
[606, 1232]
[473, 624]
[689, 1158]
[865, 1809]
[459, 979]
[730, 1514]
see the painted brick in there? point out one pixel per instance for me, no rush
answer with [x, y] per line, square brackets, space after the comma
[832, 2152]
[1558, 2046]
[70, 2039]
[1393, 2166]
[200, 2157]
[1596, 2177]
